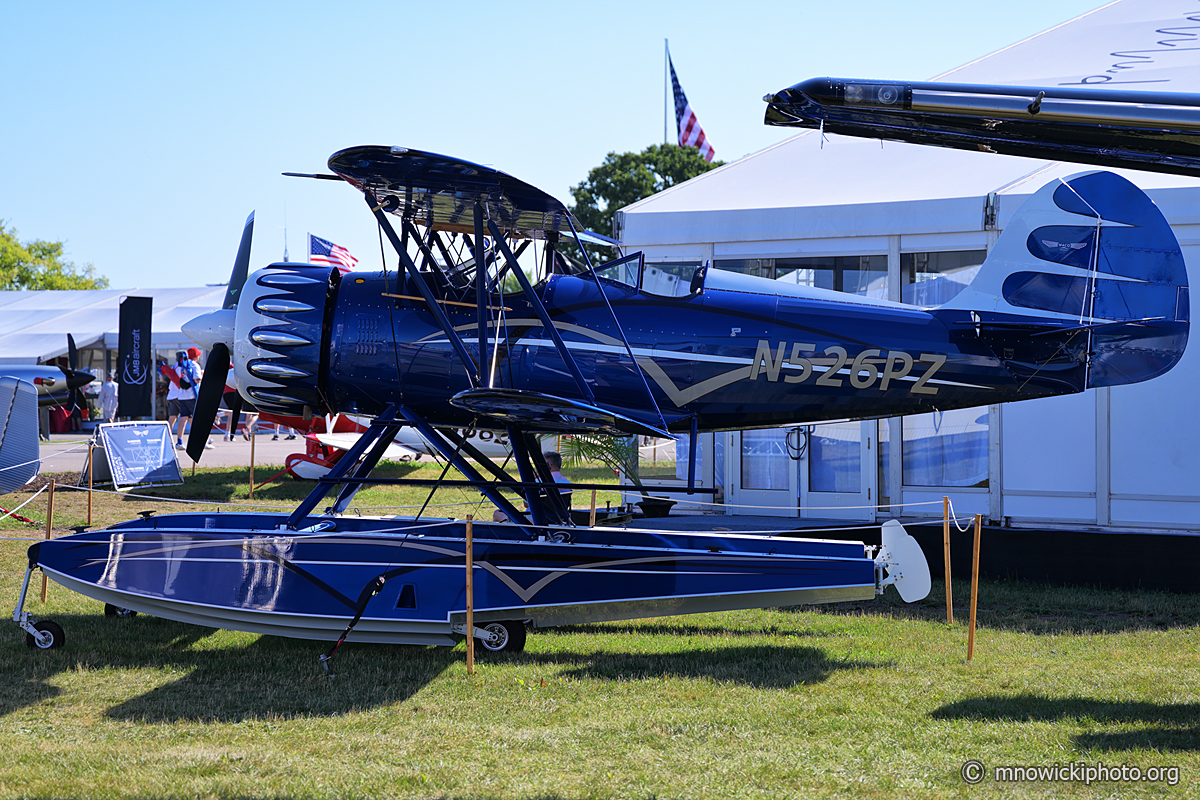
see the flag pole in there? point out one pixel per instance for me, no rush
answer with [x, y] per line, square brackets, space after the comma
[666, 85]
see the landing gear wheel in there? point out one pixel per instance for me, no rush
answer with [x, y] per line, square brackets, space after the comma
[57, 637]
[510, 637]
[117, 611]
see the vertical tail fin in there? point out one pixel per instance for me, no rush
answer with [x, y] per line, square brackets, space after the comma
[1091, 253]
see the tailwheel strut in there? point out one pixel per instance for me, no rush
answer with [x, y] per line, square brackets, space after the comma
[44, 635]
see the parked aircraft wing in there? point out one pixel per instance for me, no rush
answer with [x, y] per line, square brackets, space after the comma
[344, 441]
[18, 434]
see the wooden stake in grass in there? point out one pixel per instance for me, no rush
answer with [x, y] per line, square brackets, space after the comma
[592, 517]
[470, 595]
[49, 525]
[974, 588]
[89, 484]
[946, 548]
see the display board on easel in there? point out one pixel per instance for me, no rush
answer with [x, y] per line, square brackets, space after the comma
[132, 454]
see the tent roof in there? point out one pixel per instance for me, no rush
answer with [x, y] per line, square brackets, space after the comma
[34, 325]
[831, 186]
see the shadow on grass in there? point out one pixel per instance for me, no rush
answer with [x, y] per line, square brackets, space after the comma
[404, 785]
[1169, 726]
[276, 678]
[758, 666]
[268, 677]
[280, 679]
[225, 483]
[1032, 608]
[681, 629]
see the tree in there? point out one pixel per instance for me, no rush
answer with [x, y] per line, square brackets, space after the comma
[625, 178]
[40, 265]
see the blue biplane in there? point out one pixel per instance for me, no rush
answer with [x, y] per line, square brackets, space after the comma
[491, 320]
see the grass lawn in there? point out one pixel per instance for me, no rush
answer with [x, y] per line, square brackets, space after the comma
[866, 700]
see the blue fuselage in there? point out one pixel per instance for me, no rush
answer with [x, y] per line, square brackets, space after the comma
[732, 359]
[734, 354]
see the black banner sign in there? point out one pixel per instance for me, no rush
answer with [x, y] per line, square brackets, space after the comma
[135, 359]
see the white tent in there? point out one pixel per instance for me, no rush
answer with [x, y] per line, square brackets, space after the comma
[835, 186]
[34, 325]
[1121, 457]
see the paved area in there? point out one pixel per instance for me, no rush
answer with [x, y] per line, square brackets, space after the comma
[66, 452]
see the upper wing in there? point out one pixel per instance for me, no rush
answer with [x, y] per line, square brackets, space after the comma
[440, 191]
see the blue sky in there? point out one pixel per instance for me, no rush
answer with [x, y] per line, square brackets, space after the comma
[142, 134]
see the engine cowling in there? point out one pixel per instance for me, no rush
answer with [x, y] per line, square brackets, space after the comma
[281, 344]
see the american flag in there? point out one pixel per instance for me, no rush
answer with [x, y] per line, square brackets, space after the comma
[323, 251]
[690, 132]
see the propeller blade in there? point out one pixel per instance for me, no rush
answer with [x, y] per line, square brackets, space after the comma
[72, 353]
[208, 400]
[235, 412]
[241, 265]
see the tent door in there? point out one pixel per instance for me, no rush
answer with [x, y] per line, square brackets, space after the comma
[838, 472]
[762, 476]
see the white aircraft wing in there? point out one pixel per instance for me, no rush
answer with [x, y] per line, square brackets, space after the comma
[344, 441]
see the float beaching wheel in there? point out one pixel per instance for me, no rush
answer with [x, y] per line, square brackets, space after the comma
[117, 611]
[510, 637]
[56, 639]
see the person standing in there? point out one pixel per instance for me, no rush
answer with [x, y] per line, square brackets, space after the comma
[198, 373]
[171, 373]
[248, 415]
[181, 397]
[108, 399]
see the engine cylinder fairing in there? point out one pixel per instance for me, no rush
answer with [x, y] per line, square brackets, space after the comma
[281, 350]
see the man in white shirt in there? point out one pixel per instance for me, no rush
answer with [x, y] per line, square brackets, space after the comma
[108, 399]
[554, 462]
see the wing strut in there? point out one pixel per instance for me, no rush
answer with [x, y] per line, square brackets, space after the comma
[532, 494]
[542, 314]
[385, 421]
[637, 367]
[438, 314]
[481, 299]
[490, 490]
[364, 469]
[693, 440]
